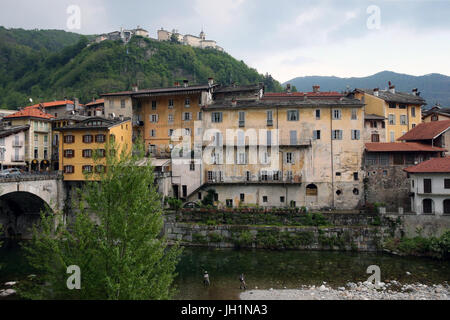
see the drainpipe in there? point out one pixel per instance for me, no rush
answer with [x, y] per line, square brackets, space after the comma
[331, 154]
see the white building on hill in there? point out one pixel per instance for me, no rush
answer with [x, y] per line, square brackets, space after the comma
[188, 39]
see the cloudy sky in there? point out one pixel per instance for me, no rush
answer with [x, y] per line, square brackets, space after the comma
[286, 38]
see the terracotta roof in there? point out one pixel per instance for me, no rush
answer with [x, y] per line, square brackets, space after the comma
[96, 102]
[401, 147]
[435, 165]
[32, 112]
[53, 103]
[426, 131]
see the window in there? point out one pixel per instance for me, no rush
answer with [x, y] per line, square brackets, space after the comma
[242, 197]
[375, 137]
[311, 190]
[216, 117]
[216, 196]
[68, 153]
[338, 174]
[355, 176]
[427, 206]
[187, 102]
[413, 125]
[247, 176]
[293, 137]
[99, 168]
[373, 124]
[229, 203]
[122, 103]
[153, 118]
[413, 112]
[427, 186]
[402, 106]
[276, 175]
[199, 196]
[100, 138]
[384, 159]
[170, 103]
[391, 119]
[447, 206]
[152, 133]
[371, 159]
[317, 114]
[447, 183]
[282, 199]
[87, 169]
[398, 159]
[241, 157]
[355, 134]
[392, 105]
[187, 116]
[289, 157]
[392, 133]
[88, 138]
[292, 115]
[36, 153]
[337, 135]
[289, 175]
[354, 114]
[46, 140]
[170, 118]
[269, 137]
[269, 118]
[241, 119]
[192, 166]
[434, 117]
[187, 131]
[153, 105]
[316, 134]
[356, 191]
[337, 114]
[69, 169]
[184, 188]
[170, 132]
[403, 120]
[87, 153]
[101, 153]
[265, 199]
[264, 175]
[199, 115]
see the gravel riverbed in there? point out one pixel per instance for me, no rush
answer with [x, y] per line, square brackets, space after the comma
[389, 290]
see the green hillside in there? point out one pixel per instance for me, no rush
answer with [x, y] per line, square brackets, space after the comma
[52, 71]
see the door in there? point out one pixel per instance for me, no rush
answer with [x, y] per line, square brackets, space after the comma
[427, 206]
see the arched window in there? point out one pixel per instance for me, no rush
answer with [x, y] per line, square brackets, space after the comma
[311, 190]
[427, 205]
[447, 206]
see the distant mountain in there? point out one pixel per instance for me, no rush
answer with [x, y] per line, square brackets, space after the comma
[434, 87]
[50, 64]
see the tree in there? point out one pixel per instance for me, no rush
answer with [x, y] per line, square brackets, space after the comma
[121, 255]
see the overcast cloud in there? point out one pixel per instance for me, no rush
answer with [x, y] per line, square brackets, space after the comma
[286, 38]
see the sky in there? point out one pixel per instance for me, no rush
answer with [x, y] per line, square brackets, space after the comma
[285, 38]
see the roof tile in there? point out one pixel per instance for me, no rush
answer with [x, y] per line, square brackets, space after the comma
[435, 165]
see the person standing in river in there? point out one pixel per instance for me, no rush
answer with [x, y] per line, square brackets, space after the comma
[243, 285]
[206, 282]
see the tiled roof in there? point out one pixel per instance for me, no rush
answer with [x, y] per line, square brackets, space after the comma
[426, 131]
[4, 132]
[96, 102]
[329, 94]
[234, 88]
[52, 104]
[401, 147]
[401, 97]
[160, 90]
[435, 165]
[94, 123]
[32, 112]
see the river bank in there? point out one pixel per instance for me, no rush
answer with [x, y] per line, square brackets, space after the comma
[389, 290]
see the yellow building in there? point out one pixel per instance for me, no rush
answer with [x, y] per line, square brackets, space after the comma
[289, 149]
[79, 143]
[38, 139]
[401, 110]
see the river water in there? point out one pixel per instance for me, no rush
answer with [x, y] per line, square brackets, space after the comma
[269, 269]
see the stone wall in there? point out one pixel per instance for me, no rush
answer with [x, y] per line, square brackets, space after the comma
[426, 225]
[389, 185]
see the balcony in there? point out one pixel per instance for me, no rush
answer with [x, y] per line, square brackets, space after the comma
[20, 158]
[17, 144]
[260, 179]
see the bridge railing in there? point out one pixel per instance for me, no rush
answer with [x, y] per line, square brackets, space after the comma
[33, 176]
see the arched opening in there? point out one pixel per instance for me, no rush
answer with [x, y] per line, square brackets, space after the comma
[447, 206]
[19, 211]
[428, 206]
[311, 190]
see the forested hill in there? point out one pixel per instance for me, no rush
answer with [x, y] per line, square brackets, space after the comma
[56, 64]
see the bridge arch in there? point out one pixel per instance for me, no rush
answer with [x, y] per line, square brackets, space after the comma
[19, 210]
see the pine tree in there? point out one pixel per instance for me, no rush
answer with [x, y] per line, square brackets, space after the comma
[114, 238]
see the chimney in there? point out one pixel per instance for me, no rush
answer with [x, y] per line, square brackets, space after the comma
[391, 88]
[210, 81]
[288, 88]
[414, 91]
[134, 88]
[185, 83]
[76, 104]
[316, 89]
[376, 92]
[176, 83]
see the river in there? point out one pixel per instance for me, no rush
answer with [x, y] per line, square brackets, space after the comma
[269, 269]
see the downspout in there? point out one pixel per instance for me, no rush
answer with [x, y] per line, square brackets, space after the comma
[332, 155]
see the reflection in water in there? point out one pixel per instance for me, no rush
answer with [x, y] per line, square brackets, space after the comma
[268, 269]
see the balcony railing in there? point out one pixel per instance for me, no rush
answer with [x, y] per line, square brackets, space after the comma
[17, 144]
[260, 179]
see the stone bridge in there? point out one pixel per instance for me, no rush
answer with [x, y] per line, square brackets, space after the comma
[22, 199]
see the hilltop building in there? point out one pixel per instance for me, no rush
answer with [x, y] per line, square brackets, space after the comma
[188, 39]
[123, 34]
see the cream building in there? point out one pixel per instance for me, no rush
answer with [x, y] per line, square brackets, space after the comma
[12, 146]
[188, 39]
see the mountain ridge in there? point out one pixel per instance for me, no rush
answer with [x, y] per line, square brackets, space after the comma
[434, 87]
